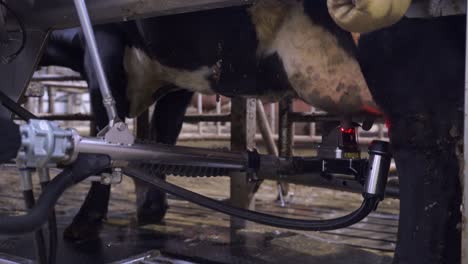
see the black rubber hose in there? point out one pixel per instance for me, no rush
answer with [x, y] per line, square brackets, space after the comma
[368, 205]
[84, 166]
[39, 241]
[10, 141]
[53, 233]
[16, 108]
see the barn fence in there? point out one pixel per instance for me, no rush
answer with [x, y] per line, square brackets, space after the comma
[62, 96]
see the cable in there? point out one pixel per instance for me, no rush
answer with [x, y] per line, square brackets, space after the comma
[15, 107]
[368, 205]
[53, 233]
[39, 242]
[11, 57]
[85, 166]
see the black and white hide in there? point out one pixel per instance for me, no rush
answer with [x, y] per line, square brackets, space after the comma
[66, 48]
[270, 49]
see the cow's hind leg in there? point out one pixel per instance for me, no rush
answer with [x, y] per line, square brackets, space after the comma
[167, 122]
[415, 70]
[88, 221]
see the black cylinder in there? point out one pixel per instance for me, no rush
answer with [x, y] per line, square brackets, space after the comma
[10, 140]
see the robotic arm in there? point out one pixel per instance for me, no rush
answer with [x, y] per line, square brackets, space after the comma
[362, 16]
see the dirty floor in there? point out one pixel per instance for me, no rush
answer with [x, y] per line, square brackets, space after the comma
[194, 234]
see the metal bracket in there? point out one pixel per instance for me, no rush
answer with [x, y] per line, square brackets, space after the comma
[112, 178]
[44, 143]
[119, 134]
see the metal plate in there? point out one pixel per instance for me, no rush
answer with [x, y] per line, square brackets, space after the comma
[45, 14]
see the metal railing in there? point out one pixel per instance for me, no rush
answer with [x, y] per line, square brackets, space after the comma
[67, 101]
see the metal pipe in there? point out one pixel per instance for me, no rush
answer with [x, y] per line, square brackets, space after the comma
[25, 179]
[50, 101]
[44, 175]
[200, 111]
[297, 138]
[65, 84]
[312, 126]
[218, 111]
[265, 129]
[273, 117]
[297, 117]
[73, 117]
[164, 154]
[107, 98]
[285, 140]
[87, 117]
[55, 77]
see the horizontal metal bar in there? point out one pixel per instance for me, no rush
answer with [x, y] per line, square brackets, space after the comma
[207, 118]
[86, 117]
[61, 13]
[66, 117]
[55, 77]
[58, 84]
[308, 117]
[164, 154]
[297, 138]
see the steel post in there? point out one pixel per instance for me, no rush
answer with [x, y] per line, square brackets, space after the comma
[285, 139]
[265, 130]
[243, 128]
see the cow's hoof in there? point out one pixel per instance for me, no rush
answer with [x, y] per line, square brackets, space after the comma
[152, 212]
[82, 230]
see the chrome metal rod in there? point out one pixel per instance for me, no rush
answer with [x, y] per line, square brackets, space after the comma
[107, 98]
[44, 175]
[164, 154]
[265, 129]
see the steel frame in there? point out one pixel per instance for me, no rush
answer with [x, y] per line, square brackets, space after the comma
[39, 16]
[46, 14]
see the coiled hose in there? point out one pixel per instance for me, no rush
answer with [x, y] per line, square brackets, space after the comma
[368, 205]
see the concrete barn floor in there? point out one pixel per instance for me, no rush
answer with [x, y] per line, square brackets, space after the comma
[194, 234]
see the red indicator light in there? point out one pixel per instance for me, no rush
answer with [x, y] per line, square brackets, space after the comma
[348, 131]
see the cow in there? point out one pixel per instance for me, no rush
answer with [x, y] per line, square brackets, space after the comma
[278, 47]
[66, 48]
[415, 70]
[271, 49]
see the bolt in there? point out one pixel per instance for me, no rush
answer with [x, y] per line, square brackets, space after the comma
[121, 126]
[106, 179]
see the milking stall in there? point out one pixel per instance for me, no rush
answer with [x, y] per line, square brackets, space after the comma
[233, 131]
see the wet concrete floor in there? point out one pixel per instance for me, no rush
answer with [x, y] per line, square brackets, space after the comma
[194, 234]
